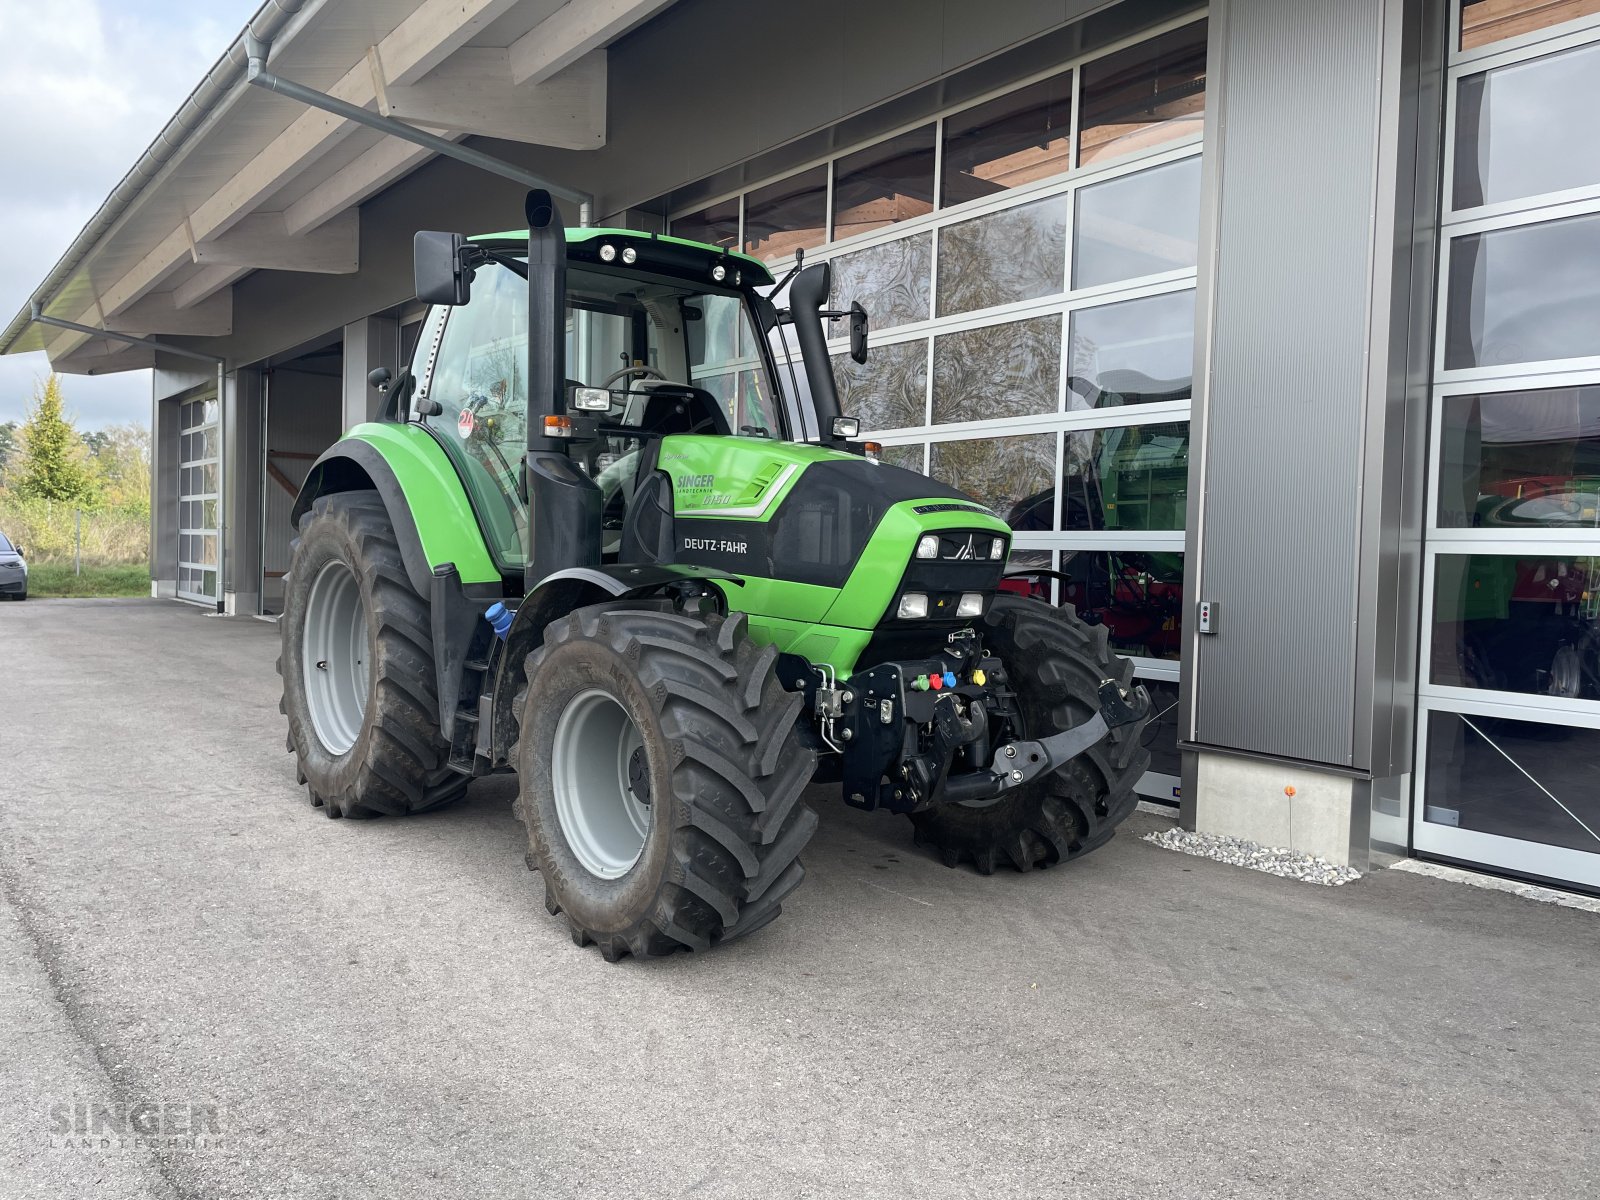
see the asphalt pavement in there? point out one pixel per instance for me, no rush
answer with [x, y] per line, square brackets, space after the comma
[207, 989]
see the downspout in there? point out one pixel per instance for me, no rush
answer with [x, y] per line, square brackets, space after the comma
[36, 316]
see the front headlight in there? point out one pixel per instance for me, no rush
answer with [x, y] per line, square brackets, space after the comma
[971, 605]
[928, 546]
[913, 606]
[998, 550]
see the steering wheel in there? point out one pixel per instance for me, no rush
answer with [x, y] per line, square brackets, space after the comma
[626, 372]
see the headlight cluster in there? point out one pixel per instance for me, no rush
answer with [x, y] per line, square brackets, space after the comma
[961, 546]
[914, 605]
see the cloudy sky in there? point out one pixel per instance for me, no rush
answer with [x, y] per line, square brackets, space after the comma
[85, 86]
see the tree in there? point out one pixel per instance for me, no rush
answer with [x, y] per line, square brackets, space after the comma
[53, 465]
[8, 445]
[122, 466]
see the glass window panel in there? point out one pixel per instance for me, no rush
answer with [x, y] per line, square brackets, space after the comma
[1525, 294]
[1132, 352]
[1518, 623]
[1131, 477]
[208, 583]
[186, 447]
[1520, 460]
[717, 224]
[891, 181]
[1002, 473]
[1547, 792]
[1136, 595]
[891, 280]
[714, 338]
[208, 514]
[1138, 224]
[1017, 254]
[1526, 129]
[998, 371]
[208, 549]
[1161, 734]
[208, 445]
[788, 215]
[909, 458]
[1014, 139]
[208, 410]
[1485, 21]
[208, 478]
[889, 390]
[1144, 96]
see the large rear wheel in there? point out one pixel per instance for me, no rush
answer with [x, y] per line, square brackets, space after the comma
[1055, 663]
[661, 770]
[357, 667]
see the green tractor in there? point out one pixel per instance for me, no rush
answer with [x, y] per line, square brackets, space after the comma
[593, 540]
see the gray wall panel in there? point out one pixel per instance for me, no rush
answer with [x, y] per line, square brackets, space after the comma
[1285, 399]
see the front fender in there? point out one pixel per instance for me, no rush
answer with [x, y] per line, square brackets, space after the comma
[427, 502]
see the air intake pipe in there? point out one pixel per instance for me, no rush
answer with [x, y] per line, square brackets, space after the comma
[807, 294]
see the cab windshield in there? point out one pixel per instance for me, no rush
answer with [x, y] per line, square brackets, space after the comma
[635, 333]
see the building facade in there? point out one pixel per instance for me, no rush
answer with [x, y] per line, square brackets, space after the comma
[1280, 311]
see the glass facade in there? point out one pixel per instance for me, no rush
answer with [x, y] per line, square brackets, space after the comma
[1510, 674]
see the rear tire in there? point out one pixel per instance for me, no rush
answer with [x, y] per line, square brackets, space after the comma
[1055, 663]
[699, 843]
[364, 726]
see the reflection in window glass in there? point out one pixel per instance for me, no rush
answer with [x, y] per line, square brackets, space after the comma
[1038, 587]
[1525, 294]
[1525, 129]
[889, 390]
[1521, 460]
[1014, 139]
[714, 338]
[717, 225]
[1160, 736]
[1519, 779]
[1518, 623]
[788, 215]
[1485, 21]
[1137, 596]
[1132, 352]
[891, 181]
[1001, 473]
[909, 458]
[891, 280]
[1139, 224]
[998, 371]
[1144, 96]
[1016, 254]
[1130, 477]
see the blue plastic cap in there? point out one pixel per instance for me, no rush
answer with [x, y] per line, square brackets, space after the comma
[498, 616]
[949, 679]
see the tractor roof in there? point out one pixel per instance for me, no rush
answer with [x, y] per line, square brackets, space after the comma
[753, 269]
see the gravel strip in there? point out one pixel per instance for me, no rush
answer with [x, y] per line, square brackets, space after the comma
[1239, 853]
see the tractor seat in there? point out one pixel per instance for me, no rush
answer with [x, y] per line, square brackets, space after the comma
[683, 410]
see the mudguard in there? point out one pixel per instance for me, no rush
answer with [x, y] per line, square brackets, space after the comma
[427, 502]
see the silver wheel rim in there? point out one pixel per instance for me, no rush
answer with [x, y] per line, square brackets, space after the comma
[1566, 674]
[337, 674]
[603, 822]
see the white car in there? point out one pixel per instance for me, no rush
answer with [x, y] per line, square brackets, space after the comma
[13, 570]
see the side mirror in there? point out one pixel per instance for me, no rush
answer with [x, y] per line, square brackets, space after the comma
[858, 332]
[378, 379]
[442, 276]
[21, 553]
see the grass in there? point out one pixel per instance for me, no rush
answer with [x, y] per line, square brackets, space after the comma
[46, 579]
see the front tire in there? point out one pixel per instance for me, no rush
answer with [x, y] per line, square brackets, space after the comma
[661, 772]
[1055, 663]
[358, 669]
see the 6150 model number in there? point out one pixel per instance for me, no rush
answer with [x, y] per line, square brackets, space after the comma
[720, 545]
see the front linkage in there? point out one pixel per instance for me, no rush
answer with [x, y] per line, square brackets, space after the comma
[913, 735]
